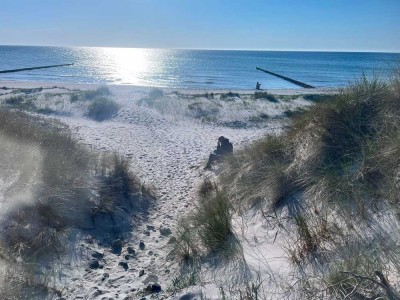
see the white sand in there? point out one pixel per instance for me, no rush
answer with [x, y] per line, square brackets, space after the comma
[168, 148]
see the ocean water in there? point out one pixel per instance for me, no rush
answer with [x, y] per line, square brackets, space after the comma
[195, 69]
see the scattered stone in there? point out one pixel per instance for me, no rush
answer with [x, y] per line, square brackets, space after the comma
[130, 250]
[94, 264]
[150, 227]
[146, 232]
[172, 240]
[165, 231]
[150, 253]
[141, 273]
[127, 257]
[97, 255]
[124, 265]
[155, 288]
[141, 245]
[116, 246]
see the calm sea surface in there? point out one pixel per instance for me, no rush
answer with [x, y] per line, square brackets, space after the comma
[199, 69]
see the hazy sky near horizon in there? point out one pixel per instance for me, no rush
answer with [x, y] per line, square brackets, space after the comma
[349, 25]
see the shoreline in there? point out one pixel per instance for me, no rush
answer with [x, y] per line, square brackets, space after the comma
[125, 87]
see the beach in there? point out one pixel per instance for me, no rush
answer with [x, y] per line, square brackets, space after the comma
[167, 135]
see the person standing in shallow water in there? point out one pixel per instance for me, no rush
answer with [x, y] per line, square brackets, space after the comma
[258, 86]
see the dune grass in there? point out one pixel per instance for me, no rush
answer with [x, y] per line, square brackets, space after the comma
[70, 186]
[208, 228]
[334, 176]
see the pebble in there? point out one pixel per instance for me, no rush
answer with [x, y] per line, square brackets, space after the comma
[165, 231]
[123, 264]
[116, 246]
[98, 255]
[141, 245]
[94, 264]
[130, 250]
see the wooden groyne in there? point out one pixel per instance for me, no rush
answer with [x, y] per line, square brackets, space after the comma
[34, 68]
[299, 83]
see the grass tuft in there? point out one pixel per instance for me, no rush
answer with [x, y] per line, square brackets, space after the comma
[102, 109]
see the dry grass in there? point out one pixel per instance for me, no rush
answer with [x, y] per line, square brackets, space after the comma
[336, 173]
[70, 186]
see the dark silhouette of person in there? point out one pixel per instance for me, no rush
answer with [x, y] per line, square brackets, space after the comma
[258, 86]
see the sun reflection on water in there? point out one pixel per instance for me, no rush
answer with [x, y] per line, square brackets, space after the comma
[131, 65]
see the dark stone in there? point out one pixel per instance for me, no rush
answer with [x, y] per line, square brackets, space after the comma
[130, 250]
[150, 227]
[141, 245]
[116, 246]
[124, 265]
[165, 231]
[97, 255]
[94, 264]
[127, 257]
[141, 273]
[155, 288]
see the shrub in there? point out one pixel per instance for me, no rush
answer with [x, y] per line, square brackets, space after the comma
[265, 95]
[229, 95]
[97, 93]
[90, 95]
[102, 109]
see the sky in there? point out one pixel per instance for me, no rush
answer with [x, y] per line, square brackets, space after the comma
[326, 25]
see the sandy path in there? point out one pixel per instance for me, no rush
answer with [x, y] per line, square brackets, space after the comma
[169, 155]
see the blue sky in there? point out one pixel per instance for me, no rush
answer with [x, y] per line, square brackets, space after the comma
[349, 25]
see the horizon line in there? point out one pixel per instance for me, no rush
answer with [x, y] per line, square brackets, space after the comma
[217, 49]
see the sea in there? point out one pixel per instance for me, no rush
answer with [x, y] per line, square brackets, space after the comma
[193, 69]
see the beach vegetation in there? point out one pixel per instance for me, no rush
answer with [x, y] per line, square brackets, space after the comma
[319, 97]
[90, 95]
[102, 109]
[229, 95]
[61, 189]
[333, 175]
[265, 95]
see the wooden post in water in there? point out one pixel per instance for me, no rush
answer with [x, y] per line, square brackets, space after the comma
[299, 83]
[34, 68]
